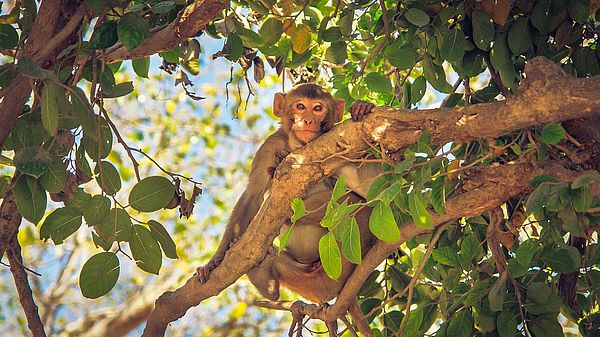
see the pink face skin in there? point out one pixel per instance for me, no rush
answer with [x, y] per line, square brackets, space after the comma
[307, 116]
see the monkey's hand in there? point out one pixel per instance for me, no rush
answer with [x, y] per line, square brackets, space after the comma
[360, 109]
[204, 271]
[280, 154]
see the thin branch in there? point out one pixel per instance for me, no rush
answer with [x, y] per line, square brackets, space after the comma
[25, 296]
[58, 39]
[384, 16]
[134, 162]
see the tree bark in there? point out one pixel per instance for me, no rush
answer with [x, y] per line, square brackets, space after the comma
[546, 95]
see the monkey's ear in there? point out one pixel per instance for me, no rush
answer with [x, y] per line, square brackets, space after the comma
[340, 104]
[278, 104]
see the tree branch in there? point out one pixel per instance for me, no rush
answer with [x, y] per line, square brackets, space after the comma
[25, 296]
[190, 22]
[547, 95]
[10, 218]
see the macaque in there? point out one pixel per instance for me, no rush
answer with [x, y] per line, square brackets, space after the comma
[306, 112]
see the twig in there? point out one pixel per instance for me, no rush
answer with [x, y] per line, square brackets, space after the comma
[348, 326]
[454, 87]
[495, 77]
[127, 148]
[172, 174]
[413, 281]
[384, 16]
[24, 290]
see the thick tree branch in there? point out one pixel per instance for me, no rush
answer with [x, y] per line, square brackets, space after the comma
[190, 22]
[25, 296]
[547, 95]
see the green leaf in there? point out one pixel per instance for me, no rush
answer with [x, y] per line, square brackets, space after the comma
[121, 89]
[579, 10]
[50, 108]
[108, 177]
[132, 29]
[116, 226]
[401, 58]
[96, 209]
[419, 212]
[553, 133]
[537, 199]
[414, 322]
[283, 239]
[453, 45]
[234, 47]
[337, 53]
[339, 189]
[417, 17]
[583, 180]
[563, 260]
[4, 183]
[383, 224]
[31, 198]
[99, 275]
[79, 200]
[97, 142]
[29, 68]
[160, 234]
[546, 326]
[377, 82]
[461, 324]
[301, 38]
[298, 208]
[141, 66]
[249, 38]
[104, 36]
[500, 54]
[60, 224]
[351, 242]
[582, 199]
[33, 161]
[496, 295]
[507, 323]
[519, 36]
[331, 258]
[271, 31]
[145, 250]
[151, 194]
[435, 75]
[447, 255]
[55, 177]
[332, 34]
[417, 89]
[438, 195]
[483, 29]
[9, 38]
[389, 193]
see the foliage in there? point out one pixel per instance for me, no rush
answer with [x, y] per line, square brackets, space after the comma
[392, 53]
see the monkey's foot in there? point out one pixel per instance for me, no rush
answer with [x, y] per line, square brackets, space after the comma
[203, 272]
[315, 267]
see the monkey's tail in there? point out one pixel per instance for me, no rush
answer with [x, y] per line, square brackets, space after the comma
[359, 319]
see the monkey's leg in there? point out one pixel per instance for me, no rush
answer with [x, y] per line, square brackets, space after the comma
[264, 276]
[359, 319]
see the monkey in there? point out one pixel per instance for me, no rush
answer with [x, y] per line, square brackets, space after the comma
[306, 112]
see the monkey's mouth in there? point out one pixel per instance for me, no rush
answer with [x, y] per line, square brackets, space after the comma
[307, 135]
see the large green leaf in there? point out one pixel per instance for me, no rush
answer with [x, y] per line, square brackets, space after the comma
[337, 53]
[553, 133]
[271, 30]
[417, 17]
[299, 209]
[116, 226]
[99, 275]
[55, 177]
[447, 255]
[141, 66]
[351, 242]
[331, 259]
[435, 75]
[151, 194]
[33, 161]
[507, 323]
[31, 198]
[145, 250]
[453, 45]
[98, 140]
[132, 29]
[9, 38]
[96, 209]
[483, 29]
[377, 82]
[60, 224]
[108, 177]
[104, 36]
[383, 224]
[461, 324]
[520, 36]
[162, 236]
[401, 57]
[417, 89]
[418, 211]
[50, 107]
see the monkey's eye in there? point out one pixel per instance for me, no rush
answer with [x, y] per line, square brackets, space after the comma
[300, 106]
[318, 108]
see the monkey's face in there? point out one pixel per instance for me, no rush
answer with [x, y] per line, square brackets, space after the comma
[308, 117]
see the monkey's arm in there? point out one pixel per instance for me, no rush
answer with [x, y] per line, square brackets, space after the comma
[259, 182]
[359, 176]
